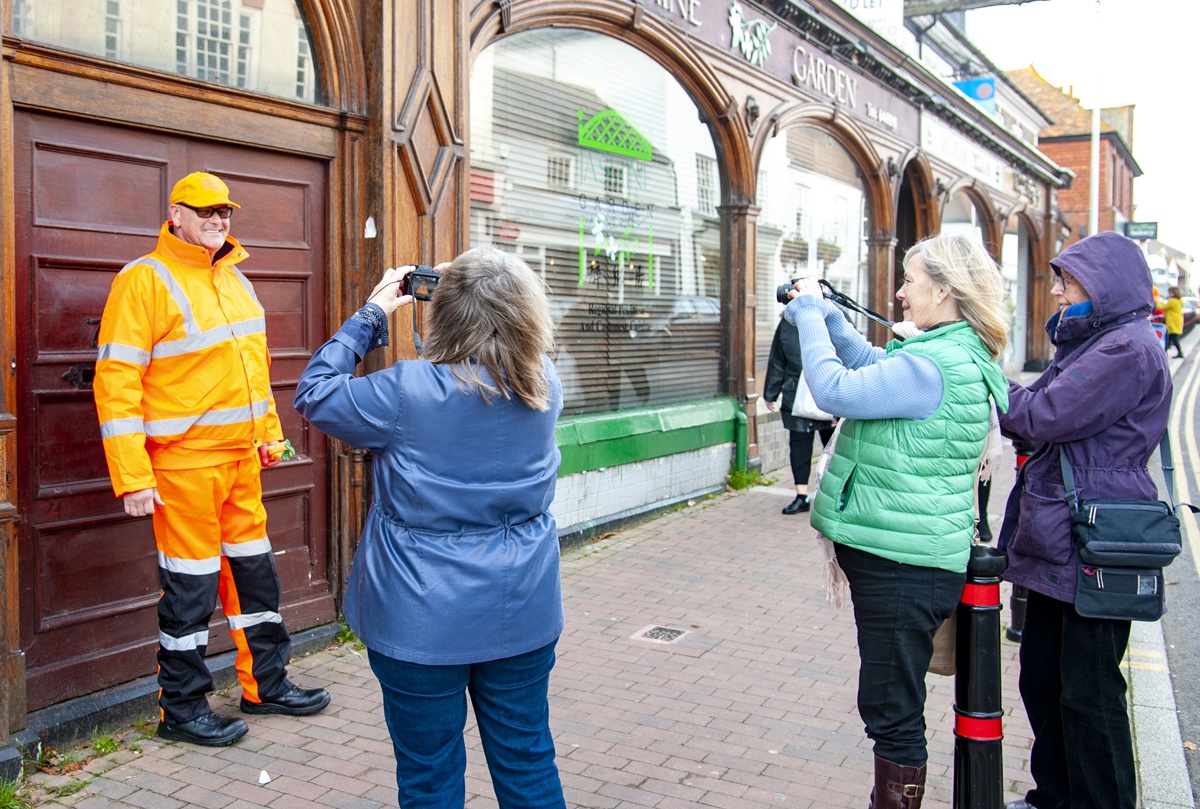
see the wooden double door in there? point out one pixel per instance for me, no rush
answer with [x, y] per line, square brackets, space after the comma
[89, 198]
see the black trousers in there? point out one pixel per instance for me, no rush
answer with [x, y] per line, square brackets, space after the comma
[800, 451]
[1173, 340]
[1074, 695]
[897, 610]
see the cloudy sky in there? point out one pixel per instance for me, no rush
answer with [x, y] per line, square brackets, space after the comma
[1143, 52]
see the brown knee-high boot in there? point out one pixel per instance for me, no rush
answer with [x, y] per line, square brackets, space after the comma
[897, 786]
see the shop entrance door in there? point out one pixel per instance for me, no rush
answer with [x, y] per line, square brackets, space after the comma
[90, 197]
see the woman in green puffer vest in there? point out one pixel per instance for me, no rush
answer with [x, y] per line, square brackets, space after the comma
[897, 499]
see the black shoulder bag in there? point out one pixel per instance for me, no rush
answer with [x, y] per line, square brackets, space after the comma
[1123, 547]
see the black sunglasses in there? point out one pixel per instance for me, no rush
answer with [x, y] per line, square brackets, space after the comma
[223, 211]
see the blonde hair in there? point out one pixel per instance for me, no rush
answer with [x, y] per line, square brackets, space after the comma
[490, 312]
[974, 280]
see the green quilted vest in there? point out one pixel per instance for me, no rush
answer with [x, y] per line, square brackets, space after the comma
[904, 489]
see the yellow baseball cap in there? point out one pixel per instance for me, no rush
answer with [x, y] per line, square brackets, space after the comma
[201, 190]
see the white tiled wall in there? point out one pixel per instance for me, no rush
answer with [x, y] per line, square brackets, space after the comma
[773, 443]
[600, 495]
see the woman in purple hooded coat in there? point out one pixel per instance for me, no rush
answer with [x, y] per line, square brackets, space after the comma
[1105, 399]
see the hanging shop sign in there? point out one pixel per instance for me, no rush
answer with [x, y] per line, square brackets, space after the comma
[1141, 231]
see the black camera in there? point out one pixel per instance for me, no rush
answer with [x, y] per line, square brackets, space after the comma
[781, 292]
[420, 283]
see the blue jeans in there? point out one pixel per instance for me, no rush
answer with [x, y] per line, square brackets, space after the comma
[897, 610]
[426, 711]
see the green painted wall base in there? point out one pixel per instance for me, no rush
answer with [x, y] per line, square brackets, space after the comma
[612, 439]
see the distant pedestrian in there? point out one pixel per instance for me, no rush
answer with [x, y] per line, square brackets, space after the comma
[784, 365]
[1173, 319]
[1104, 400]
[455, 585]
[898, 497]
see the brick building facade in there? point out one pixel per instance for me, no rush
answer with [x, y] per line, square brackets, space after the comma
[1068, 143]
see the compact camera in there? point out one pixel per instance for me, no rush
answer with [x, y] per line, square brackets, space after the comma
[420, 283]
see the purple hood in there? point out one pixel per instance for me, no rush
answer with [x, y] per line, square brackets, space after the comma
[1105, 399]
[1114, 272]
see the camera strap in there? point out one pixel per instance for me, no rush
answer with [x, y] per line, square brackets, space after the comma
[847, 302]
[417, 344]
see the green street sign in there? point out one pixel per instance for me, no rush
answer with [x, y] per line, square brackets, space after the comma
[1141, 231]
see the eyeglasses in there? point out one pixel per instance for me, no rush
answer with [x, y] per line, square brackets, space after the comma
[223, 211]
[1063, 279]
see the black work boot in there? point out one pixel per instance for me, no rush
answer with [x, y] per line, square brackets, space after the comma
[207, 729]
[296, 701]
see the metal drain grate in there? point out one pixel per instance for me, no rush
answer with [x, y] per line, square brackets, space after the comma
[661, 634]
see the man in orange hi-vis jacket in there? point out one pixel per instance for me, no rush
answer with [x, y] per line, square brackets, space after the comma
[183, 392]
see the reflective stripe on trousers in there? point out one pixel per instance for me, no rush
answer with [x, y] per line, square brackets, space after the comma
[212, 542]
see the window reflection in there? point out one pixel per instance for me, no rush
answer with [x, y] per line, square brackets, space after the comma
[257, 45]
[813, 221]
[589, 161]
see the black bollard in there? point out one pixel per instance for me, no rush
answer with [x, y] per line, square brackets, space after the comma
[1016, 611]
[978, 713]
[1020, 593]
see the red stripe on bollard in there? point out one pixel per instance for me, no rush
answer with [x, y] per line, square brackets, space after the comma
[981, 595]
[983, 730]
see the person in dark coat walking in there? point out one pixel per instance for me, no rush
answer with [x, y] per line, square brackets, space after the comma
[783, 376]
[1105, 400]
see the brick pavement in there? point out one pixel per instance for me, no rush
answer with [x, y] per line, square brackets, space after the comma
[752, 707]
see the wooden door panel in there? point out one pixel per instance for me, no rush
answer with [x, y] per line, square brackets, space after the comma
[87, 570]
[65, 457]
[90, 198]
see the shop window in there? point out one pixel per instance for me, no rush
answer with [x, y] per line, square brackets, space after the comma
[584, 163]
[816, 225]
[246, 44]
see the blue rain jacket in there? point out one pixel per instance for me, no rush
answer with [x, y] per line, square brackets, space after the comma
[1105, 398]
[458, 560]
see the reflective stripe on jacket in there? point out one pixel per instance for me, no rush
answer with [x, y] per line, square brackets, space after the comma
[182, 370]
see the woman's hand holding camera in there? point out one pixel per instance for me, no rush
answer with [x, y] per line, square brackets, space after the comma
[807, 286]
[387, 295]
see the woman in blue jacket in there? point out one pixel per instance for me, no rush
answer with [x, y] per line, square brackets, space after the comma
[455, 584]
[1105, 400]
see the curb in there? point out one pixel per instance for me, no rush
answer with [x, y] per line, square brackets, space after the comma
[1157, 745]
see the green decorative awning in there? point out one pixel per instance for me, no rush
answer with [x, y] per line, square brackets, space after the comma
[608, 131]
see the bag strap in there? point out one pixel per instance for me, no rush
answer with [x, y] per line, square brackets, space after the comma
[1068, 478]
[1164, 457]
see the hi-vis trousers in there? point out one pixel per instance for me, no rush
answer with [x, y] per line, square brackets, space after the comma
[211, 534]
